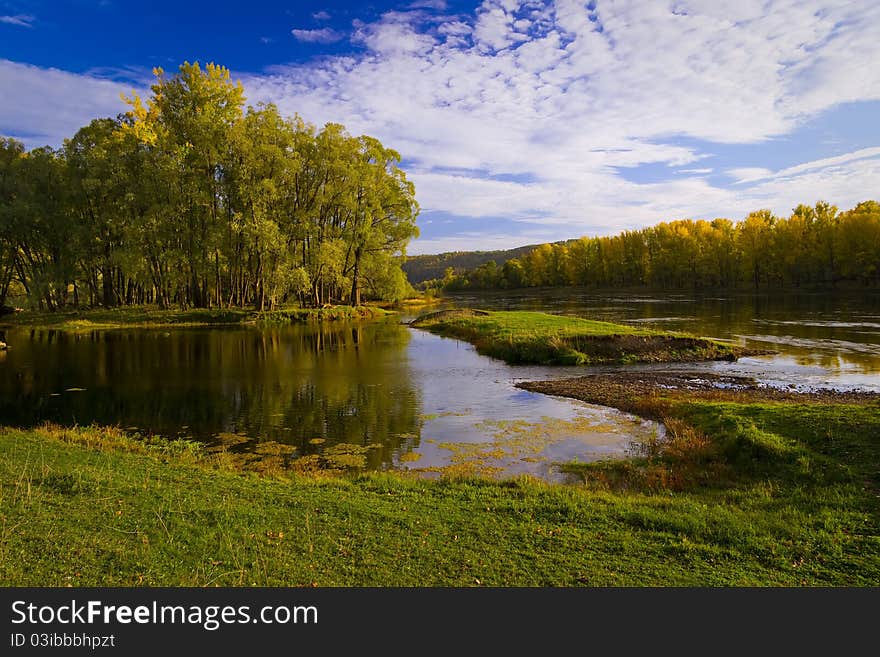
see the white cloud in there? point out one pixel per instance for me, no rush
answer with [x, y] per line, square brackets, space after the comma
[563, 95]
[22, 20]
[753, 174]
[475, 197]
[748, 174]
[494, 29]
[321, 15]
[323, 35]
[439, 5]
[49, 105]
[393, 36]
[844, 183]
[829, 162]
[457, 28]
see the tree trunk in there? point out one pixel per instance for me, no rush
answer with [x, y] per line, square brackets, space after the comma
[195, 292]
[4, 285]
[355, 279]
[260, 285]
[107, 286]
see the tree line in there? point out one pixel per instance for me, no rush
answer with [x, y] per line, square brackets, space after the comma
[193, 199]
[816, 246]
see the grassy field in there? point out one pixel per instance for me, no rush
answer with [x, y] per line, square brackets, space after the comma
[753, 494]
[523, 337]
[152, 316]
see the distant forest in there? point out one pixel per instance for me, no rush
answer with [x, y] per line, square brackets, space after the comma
[193, 200]
[421, 268]
[816, 246]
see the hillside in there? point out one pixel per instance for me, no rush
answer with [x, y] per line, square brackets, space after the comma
[422, 268]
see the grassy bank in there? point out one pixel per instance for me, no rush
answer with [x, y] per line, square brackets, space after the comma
[94, 507]
[538, 338]
[809, 461]
[720, 436]
[153, 316]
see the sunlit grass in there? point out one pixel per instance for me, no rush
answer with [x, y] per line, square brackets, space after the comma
[521, 337]
[96, 507]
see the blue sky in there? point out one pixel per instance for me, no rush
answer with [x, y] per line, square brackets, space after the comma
[519, 122]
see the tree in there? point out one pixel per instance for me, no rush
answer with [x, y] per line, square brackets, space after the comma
[188, 122]
[12, 209]
[260, 172]
[858, 237]
[816, 245]
[98, 195]
[753, 240]
[383, 218]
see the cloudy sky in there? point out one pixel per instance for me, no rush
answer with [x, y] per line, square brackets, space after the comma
[519, 122]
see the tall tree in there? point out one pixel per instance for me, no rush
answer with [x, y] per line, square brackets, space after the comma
[189, 122]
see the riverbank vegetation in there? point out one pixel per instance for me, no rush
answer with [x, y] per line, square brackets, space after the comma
[93, 507]
[803, 454]
[519, 337]
[74, 319]
[815, 247]
[724, 429]
[192, 200]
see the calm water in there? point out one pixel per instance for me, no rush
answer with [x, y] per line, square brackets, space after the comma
[428, 402]
[822, 340]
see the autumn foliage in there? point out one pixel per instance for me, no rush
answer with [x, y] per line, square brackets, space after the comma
[816, 246]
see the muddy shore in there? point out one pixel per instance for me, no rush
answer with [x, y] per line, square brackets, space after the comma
[639, 392]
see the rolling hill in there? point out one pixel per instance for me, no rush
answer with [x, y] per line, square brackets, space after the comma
[422, 268]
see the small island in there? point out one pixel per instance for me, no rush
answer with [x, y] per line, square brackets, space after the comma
[533, 338]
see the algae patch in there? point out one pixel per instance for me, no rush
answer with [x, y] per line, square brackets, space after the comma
[336, 459]
[520, 446]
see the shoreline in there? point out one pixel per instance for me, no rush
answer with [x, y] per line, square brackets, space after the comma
[154, 317]
[723, 430]
[637, 392]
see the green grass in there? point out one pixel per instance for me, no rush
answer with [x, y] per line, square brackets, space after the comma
[95, 507]
[811, 469]
[152, 316]
[523, 337]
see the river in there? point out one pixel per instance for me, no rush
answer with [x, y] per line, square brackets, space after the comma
[420, 402]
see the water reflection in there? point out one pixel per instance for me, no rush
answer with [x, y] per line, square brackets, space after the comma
[427, 402]
[291, 384]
